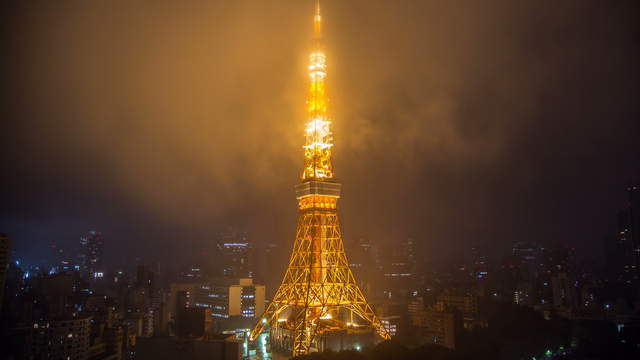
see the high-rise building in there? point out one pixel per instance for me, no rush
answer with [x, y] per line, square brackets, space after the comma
[144, 322]
[365, 266]
[57, 291]
[264, 265]
[564, 291]
[479, 262]
[114, 341]
[371, 251]
[452, 300]
[634, 225]
[231, 297]
[4, 263]
[145, 277]
[623, 248]
[528, 259]
[391, 323]
[146, 291]
[400, 271]
[193, 273]
[90, 255]
[190, 322]
[415, 305]
[66, 338]
[180, 296]
[319, 291]
[619, 251]
[523, 293]
[557, 260]
[437, 326]
[235, 250]
[402, 257]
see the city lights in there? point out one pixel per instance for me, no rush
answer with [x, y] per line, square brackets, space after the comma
[157, 155]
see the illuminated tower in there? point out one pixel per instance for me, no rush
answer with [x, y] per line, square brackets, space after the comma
[318, 293]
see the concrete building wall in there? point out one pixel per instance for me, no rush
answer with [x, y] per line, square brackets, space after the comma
[235, 300]
[260, 296]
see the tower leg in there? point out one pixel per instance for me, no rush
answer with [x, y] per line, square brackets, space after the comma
[302, 335]
[270, 316]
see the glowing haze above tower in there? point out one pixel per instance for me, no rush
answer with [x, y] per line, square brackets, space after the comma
[318, 139]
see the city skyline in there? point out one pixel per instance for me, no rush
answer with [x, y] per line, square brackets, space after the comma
[467, 180]
[491, 147]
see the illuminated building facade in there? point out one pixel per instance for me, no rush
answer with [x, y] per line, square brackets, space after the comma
[390, 323]
[318, 294]
[227, 298]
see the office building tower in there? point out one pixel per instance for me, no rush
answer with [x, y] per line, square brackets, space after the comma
[65, 338]
[452, 300]
[90, 255]
[365, 265]
[235, 250]
[114, 342]
[528, 259]
[180, 296]
[437, 327]
[264, 262]
[400, 277]
[231, 297]
[479, 262]
[564, 291]
[619, 251]
[633, 210]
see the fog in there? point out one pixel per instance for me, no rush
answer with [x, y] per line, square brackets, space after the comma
[162, 123]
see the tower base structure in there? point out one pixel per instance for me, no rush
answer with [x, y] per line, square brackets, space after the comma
[319, 300]
[336, 340]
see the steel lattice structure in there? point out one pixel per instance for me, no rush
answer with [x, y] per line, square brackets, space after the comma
[318, 284]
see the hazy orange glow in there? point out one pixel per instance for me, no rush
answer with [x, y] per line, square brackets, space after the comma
[318, 139]
[318, 201]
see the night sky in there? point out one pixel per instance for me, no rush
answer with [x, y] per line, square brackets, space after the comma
[162, 123]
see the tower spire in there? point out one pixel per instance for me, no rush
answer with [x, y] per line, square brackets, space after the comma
[318, 137]
[317, 21]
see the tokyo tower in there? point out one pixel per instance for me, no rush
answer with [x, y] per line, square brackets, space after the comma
[318, 294]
